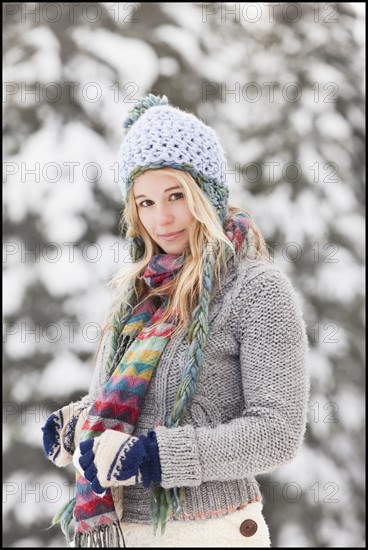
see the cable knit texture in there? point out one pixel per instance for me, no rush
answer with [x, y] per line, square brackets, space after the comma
[249, 413]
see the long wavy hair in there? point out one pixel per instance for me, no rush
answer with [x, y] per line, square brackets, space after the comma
[205, 235]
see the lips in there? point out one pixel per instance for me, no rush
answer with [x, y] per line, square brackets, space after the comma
[171, 234]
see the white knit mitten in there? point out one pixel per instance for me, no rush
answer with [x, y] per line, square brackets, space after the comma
[60, 432]
[101, 460]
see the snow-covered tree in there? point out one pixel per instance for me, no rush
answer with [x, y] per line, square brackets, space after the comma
[283, 86]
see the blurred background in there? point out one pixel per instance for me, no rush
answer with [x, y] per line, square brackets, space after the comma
[283, 85]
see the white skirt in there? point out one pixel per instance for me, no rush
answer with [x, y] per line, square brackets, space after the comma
[245, 527]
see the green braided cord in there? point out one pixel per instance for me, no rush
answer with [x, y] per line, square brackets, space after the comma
[136, 248]
[164, 503]
[64, 516]
[218, 195]
[197, 335]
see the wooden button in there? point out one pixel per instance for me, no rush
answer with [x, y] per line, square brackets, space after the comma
[248, 527]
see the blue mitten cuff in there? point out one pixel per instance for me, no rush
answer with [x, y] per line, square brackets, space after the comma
[150, 467]
[51, 435]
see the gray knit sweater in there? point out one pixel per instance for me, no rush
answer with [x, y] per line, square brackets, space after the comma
[249, 412]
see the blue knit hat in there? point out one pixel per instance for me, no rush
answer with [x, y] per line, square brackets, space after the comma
[159, 135]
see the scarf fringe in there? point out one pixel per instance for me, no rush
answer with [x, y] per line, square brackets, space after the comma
[106, 536]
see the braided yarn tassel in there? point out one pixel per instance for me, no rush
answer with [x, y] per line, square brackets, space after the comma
[166, 501]
[197, 334]
[64, 516]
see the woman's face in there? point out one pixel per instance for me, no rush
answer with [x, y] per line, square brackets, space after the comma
[163, 209]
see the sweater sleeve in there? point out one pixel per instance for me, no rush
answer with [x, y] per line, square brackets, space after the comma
[273, 352]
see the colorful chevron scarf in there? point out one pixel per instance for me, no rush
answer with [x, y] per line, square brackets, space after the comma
[119, 404]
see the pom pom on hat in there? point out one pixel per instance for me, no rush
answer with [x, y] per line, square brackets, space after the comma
[143, 104]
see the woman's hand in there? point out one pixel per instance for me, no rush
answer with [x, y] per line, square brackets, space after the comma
[60, 431]
[51, 435]
[116, 458]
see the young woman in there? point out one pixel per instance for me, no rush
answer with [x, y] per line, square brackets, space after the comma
[200, 381]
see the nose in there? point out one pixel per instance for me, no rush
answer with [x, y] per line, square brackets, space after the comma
[163, 215]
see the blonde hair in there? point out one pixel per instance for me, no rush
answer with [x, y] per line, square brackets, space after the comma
[205, 234]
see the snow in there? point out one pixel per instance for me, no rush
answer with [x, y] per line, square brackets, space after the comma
[180, 39]
[134, 60]
[31, 500]
[43, 67]
[332, 124]
[50, 216]
[332, 277]
[16, 280]
[64, 374]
